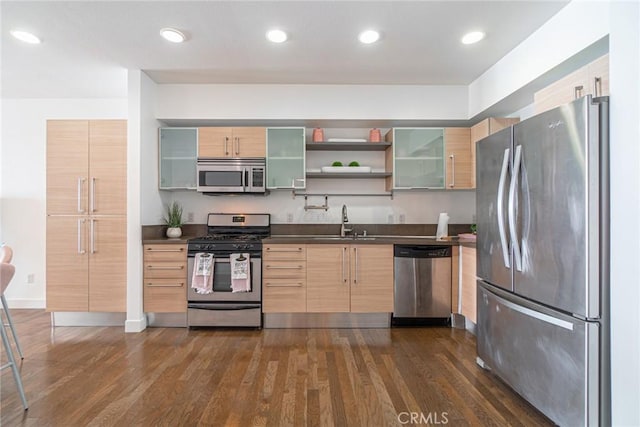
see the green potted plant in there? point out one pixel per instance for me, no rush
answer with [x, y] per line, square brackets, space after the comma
[173, 219]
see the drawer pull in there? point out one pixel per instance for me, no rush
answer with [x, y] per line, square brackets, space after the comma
[165, 250]
[284, 267]
[284, 250]
[165, 285]
[283, 285]
[165, 267]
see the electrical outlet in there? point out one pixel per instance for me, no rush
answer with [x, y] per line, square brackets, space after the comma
[401, 218]
[289, 217]
[31, 278]
[190, 217]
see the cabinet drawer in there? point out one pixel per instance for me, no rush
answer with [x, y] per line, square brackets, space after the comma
[284, 269]
[165, 295]
[284, 296]
[165, 270]
[166, 252]
[284, 252]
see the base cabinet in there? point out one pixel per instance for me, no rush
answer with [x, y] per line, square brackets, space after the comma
[328, 278]
[165, 278]
[284, 274]
[468, 305]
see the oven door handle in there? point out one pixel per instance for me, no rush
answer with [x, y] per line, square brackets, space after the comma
[223, 307]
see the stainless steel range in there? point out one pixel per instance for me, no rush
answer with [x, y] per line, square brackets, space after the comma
[229, 236]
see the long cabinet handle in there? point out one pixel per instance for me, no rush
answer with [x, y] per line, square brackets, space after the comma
[284, 267]
[93, 194]
[453, 170]
[165, 285]
[81, 250]
[283, 285]
[226, 149]
[237, 143]
[597, 86]
[344, 277]
[284, 250]
[512, 208]
[165, 250]
[355, 254]
[80, 181]
[92, 236]
[500, 208]
[165, 267]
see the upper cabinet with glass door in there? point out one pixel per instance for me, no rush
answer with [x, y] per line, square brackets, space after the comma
[418, 157]
[177, 152]
[286, 157]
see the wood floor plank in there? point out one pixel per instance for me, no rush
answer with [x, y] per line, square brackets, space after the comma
[317, 377]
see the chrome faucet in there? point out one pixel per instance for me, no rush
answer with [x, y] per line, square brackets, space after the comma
[345, 218]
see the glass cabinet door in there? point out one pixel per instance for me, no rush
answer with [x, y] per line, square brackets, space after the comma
[418, 158]
[285, 158]
[177, 153]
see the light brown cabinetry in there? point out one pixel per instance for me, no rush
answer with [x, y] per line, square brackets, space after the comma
[483, 129]
[592, 79]
[468, 283]
[232, 142]
[86, 215]
[350, 278]
[457, 142]
[371, 278]
[284, 272]
[165, 278]
[328, 279]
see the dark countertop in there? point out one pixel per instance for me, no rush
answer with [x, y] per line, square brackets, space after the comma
[404, 234]
[374, 240]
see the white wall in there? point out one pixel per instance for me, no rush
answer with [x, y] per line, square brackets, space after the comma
[625, 212]
[576, 26]
[305, 102]
[23, 171]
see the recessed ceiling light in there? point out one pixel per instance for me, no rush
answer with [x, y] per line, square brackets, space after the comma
[172, 35]
[277, 36]
[369, 36]
[472, 37]
[25, 36]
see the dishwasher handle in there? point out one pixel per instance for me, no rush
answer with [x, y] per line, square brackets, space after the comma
[421, 251]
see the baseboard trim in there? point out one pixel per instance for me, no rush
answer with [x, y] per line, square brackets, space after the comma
[26, 303]
[137, 325]
[67, 318]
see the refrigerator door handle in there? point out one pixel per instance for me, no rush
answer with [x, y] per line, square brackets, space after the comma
[512, 212]
[500, 208]
[536, 315]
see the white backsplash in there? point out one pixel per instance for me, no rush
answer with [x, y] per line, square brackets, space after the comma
[409, 207]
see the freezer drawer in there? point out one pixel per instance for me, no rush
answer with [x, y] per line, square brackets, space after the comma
[551, 359]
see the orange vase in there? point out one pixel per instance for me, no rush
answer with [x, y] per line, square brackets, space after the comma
[374, 135]
[318, 135]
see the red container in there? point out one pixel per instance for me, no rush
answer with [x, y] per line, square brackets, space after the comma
[374, 135]
[318, 135]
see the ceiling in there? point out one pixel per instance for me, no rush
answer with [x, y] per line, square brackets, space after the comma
[88, 45]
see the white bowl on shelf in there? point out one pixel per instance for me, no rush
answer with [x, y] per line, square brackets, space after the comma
[346, 169]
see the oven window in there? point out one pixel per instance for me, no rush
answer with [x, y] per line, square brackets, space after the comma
[221, 178]
[222, 276]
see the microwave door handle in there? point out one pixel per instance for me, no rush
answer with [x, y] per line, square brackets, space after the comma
[247, 184]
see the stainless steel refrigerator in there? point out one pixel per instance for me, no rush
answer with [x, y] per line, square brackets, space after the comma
[543, 260]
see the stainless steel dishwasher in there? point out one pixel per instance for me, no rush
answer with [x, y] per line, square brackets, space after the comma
[422, 276]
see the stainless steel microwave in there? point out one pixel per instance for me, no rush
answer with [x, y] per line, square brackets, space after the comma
[246, 175]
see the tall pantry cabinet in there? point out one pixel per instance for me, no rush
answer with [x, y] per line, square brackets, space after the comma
[86, 215]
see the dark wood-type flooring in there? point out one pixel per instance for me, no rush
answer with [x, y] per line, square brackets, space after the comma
[78, 376]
